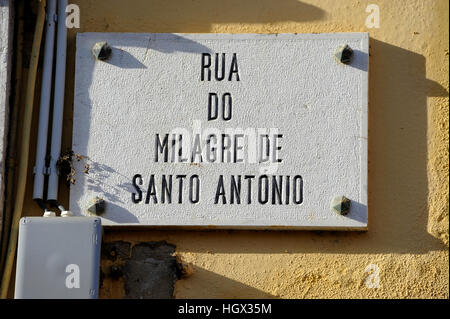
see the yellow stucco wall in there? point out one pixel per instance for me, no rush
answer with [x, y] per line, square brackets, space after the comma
[408, 155]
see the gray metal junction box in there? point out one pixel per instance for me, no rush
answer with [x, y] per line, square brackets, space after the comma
[58, 258]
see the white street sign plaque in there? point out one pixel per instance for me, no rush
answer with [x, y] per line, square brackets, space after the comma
[221, 130]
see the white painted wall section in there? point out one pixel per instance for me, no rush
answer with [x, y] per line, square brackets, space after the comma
[6, 41]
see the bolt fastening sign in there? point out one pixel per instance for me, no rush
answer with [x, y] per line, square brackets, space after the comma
[223, 130]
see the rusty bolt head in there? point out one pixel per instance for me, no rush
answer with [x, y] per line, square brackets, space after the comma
[101, 51]
[96, 206]
[115, 272]
[344, 54]
[341, 205]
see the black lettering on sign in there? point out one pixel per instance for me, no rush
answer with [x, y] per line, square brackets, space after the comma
[234, 68]
[235, 190]
[213, 106]
[263, 191]
[226, 107]
[222, 76]
[264, 148]
[277, 189]
[206, 64]
[210, 149]
[298, 189]
[249, 187]
[194, 196]
[174, 142]
[151, 191]
[180, 187]
[237, 147]
[161, 147]
[220, 192]
[166, 189]
[226, 146]
[219, 67]
[137, 179]
[288, 180]
[276, 148]
[181, 159]
[197, 150]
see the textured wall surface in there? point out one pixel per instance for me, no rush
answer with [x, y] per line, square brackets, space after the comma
[408, 156]
[145, 270]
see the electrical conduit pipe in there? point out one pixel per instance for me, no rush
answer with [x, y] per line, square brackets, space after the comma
[24, 147]
[44, 111]
[58, 104]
